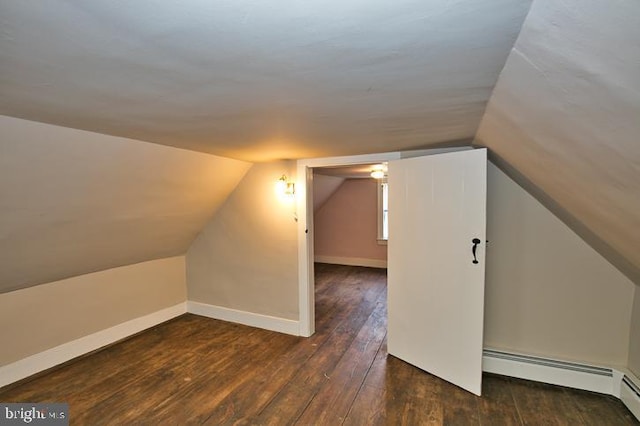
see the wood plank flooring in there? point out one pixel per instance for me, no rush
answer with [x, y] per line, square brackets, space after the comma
[195, 370]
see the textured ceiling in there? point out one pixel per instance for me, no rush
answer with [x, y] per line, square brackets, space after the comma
[564, 120]
[258, 80]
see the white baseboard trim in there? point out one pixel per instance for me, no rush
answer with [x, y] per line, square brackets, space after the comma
[630, 393]
[41, 361]
[617, 382]
[266, 322]
[351, 261]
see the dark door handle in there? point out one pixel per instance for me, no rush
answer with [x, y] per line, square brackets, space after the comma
[475, 242]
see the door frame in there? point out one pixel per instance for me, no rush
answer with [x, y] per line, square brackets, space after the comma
[304, 207]
[304, 200]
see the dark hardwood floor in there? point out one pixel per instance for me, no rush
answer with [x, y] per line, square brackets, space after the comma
[195, 370]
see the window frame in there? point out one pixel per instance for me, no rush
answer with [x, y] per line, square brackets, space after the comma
[382, 190]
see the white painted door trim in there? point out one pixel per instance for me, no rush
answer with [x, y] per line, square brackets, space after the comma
[304, 206]
[304, 199]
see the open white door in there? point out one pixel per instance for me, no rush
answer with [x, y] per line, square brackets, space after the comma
[437, 223]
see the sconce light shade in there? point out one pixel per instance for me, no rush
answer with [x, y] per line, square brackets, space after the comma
[285, 187]
[291, 189]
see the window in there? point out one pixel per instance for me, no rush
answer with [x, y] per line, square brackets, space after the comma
[383, 210]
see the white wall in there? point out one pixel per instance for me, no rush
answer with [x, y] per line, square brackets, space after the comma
[246, 257]
[547, 291]
[38, 318]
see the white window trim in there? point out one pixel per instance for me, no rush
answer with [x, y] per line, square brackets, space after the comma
[381, 240]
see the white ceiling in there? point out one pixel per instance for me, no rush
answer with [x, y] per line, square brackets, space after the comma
[564, 119]
[74, 202]
[258, 80]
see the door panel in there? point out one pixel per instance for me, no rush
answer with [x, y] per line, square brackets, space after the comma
[437, 206]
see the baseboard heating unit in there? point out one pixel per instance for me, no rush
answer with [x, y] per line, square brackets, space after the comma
[610, 381]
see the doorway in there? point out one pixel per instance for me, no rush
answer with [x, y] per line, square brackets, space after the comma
[439, 207]
[306, 255]
[347, 225]
[304, 197]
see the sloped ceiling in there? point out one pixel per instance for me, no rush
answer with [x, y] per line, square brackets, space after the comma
[327, 180]
[258, 80]
[266, 80]
[74, 202]
[564, 119]
[323, 188]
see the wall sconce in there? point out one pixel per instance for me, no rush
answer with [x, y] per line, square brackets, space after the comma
[285, 187]
[379, 171]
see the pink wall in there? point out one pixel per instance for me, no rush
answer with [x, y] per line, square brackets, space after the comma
[346, 225]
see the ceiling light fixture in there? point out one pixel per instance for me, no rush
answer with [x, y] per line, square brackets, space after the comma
[379, 171]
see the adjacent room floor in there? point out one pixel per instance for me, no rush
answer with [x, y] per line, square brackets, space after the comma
[195, 370]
